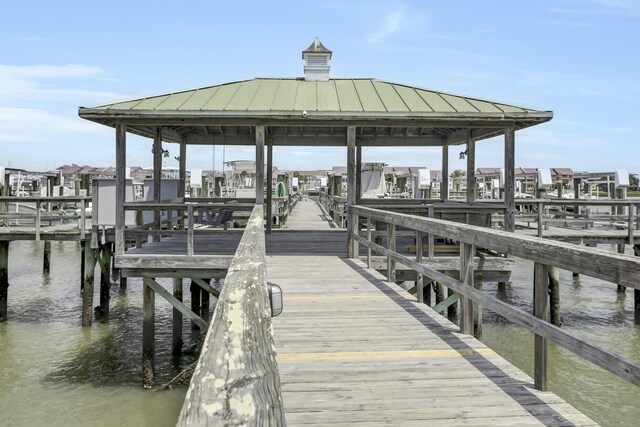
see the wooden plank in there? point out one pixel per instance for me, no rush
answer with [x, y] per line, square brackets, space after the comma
[158, 289]
[161, 261]
[618, 365]
[236, 379]
[440, 307]
[206, 286]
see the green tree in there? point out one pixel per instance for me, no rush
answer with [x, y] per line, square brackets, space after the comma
[456, 173]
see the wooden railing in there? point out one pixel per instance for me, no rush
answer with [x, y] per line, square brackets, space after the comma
[46, 210]
[236, 380]
[616, 268]
[622, 213]
[180, 219]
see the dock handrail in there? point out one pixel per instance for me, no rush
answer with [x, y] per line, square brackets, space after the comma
[38, 217]
[616, 268]
[236, 380]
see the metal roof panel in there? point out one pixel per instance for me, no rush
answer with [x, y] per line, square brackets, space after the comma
[459, 103]
[306, 97]
[327, 96]
[222, 97]
[241, 100]
[265, 96]
[151, 103]
[414, 102]
[285, 98]
[368, 96]
[389, 96]
[348, 95]
[199, 99]
[435, 101]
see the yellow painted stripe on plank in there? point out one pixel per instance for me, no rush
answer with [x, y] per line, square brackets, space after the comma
[372, 355]
[345, 297]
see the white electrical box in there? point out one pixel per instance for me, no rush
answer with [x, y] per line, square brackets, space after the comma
[622, 178]
[544, 178]
[424, 179]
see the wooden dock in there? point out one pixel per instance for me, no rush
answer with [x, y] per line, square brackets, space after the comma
[362, 350]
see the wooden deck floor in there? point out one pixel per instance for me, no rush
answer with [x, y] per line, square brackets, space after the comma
[309, 215]
[354, 349]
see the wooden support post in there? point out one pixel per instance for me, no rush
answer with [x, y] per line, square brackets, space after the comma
[358, 173]
[269, 179]
[636, 292]
[121, 165]
[439, 292]
[260, 138]
[4, 279]
[87, 291]
[176, 344]
[105, 280]
[540, 310]
[204, 302]
[352, 227]
[195, 307]
[554, 296]
[369, 239]
[148, 335]
[444, 184]
[391, 245]
[157, 178]
[419, 277]
[509, 179]
[471, 169]
[182, 179]
[466, 276]
[46, 259]
[452, 310]
[123, 283]
[83, 243]
[620, 288]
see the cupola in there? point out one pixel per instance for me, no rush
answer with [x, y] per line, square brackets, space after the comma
[316, 62]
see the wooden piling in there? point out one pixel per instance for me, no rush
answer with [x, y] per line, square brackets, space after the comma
[195, 307]
[391, 245]
[87, 291]
[620, 288]
[419, 278]
[176, 345]
[82, 245]
[46, 259]
[204, 302]
[540, 310]
[148, 335]
[554, 296]
[636, 292]
[4, 279]
[466, 276]
[439, 291]
[105, 281]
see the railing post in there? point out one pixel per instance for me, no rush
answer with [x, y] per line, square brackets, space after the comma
[83, 218]
[540, 207]
[540, 310]
[190, 230]
[419, 278]
[391, 245]
[431, 239]
[38, 220]
[369, 239]
[631, 222]
[466, 276]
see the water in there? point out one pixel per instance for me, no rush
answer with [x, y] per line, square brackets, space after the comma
[54, 372]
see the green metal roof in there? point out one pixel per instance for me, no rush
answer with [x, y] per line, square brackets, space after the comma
[268, 96]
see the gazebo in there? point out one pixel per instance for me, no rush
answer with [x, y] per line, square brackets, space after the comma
[315, 110]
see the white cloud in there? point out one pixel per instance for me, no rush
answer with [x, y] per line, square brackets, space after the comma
[391, 25]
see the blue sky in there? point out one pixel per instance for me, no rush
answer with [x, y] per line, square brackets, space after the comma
[578, 58]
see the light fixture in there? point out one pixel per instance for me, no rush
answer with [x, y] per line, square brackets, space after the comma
[275, 298]
[464, 153]
[165, 153]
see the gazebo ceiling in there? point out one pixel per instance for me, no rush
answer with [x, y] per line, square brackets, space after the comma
[299, 112]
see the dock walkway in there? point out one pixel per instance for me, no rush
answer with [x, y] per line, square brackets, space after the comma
[308, 215]
[356, 349]
[353, 348]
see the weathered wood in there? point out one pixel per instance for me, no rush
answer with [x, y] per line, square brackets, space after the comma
[541, 311]
[466, 276]
[590, 261]
[351, 189]
[105, 280]
[260, 139]
[159, 290]
[419, 277]
[82, 245]
[444, 304]
[269, 205]
[619, 365]
[176, 336]
[4, 279]
[554, 296]
[471, 169]
[196, 308]
[148, 335]
[46, 259]
[368, 238]
[444, 184]
[509, 178]
[391, 245]
[121, 165]
[358, 173]
[206, 286]
[157, 177]
[174, 261]
[236, 381]
[87, 289]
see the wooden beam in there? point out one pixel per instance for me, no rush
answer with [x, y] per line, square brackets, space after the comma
[148, 334]
[509, 179]
[466, 277]
[444, 184]
[171, 262]
[260, 164]
[87, 286]
[471, 169]
[351, 187]
[121, 171]
[157, 177]
[269, 179]
[176, 338]
[206, 286]
[358, 172]
[157, 288]
[541, 311]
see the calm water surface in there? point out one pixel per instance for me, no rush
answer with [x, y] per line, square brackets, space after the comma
[54, 372]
